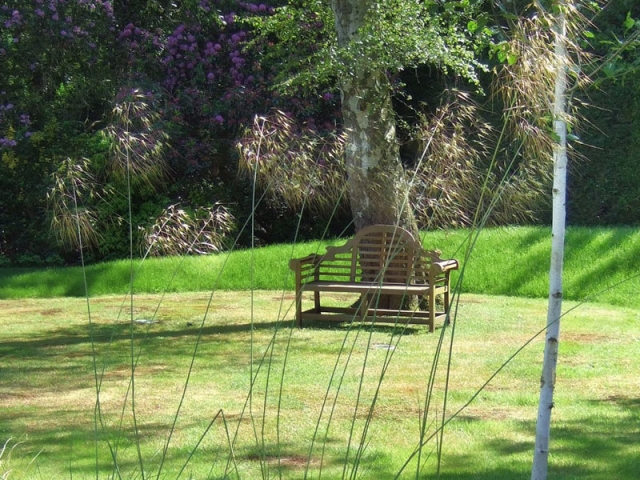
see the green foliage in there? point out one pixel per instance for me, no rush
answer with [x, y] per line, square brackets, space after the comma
[402, 34]
[300, 37]
[396, 35]
[618, 42]
[605, 186]
[605, 183]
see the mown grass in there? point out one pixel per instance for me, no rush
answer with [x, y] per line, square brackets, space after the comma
[601, 264]
[223, 387]
[256, 391]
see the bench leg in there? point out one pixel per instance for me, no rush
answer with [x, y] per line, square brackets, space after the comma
[432, 311]
[298, 286]
[446, 305]
[299, 309]
[366, 299]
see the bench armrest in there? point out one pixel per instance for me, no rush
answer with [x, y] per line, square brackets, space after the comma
[296, 264]
[443, 266]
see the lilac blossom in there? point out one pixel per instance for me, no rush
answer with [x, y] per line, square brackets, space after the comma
[6, 142]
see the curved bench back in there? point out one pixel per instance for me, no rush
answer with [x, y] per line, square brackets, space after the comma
[378, 253]
[384, 253]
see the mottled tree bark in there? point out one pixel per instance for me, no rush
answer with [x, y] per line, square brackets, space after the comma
[378, 187]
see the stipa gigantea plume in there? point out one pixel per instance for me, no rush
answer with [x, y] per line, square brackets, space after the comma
[526, 87]
[72, 221]
[136, 146]
[180, 232]
[136, 140]
[294, 163]
[448, 177]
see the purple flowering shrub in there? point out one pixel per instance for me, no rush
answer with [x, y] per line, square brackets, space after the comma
[213, 77]
[45, 45]
[199, 63]
[208, 79]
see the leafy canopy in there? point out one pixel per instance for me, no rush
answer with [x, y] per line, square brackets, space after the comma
[396, 34]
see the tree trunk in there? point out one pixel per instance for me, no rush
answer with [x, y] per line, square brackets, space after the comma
[378, 187]
[548, 379]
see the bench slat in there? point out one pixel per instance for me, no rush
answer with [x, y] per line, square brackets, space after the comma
[366, 287]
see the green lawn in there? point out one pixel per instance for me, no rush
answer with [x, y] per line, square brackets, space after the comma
[258, 391]
[200, 375]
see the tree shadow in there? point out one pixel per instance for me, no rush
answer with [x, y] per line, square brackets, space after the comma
[591, 447]
[390, 329]
[591, 273]
[119, 331]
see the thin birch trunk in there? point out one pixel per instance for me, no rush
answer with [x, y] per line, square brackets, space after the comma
[548, 379]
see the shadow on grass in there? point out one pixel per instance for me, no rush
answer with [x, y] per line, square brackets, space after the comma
[84, 449]
[39, 283]
[389, 329]
[64, 358]
[122, 331]
[592, 447]
[587, 256]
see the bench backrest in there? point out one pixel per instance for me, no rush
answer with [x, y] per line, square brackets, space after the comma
[378, 253]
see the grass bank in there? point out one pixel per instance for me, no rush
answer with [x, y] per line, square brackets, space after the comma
[601, 264]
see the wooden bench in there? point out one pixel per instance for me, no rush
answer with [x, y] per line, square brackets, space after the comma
[379, 263]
